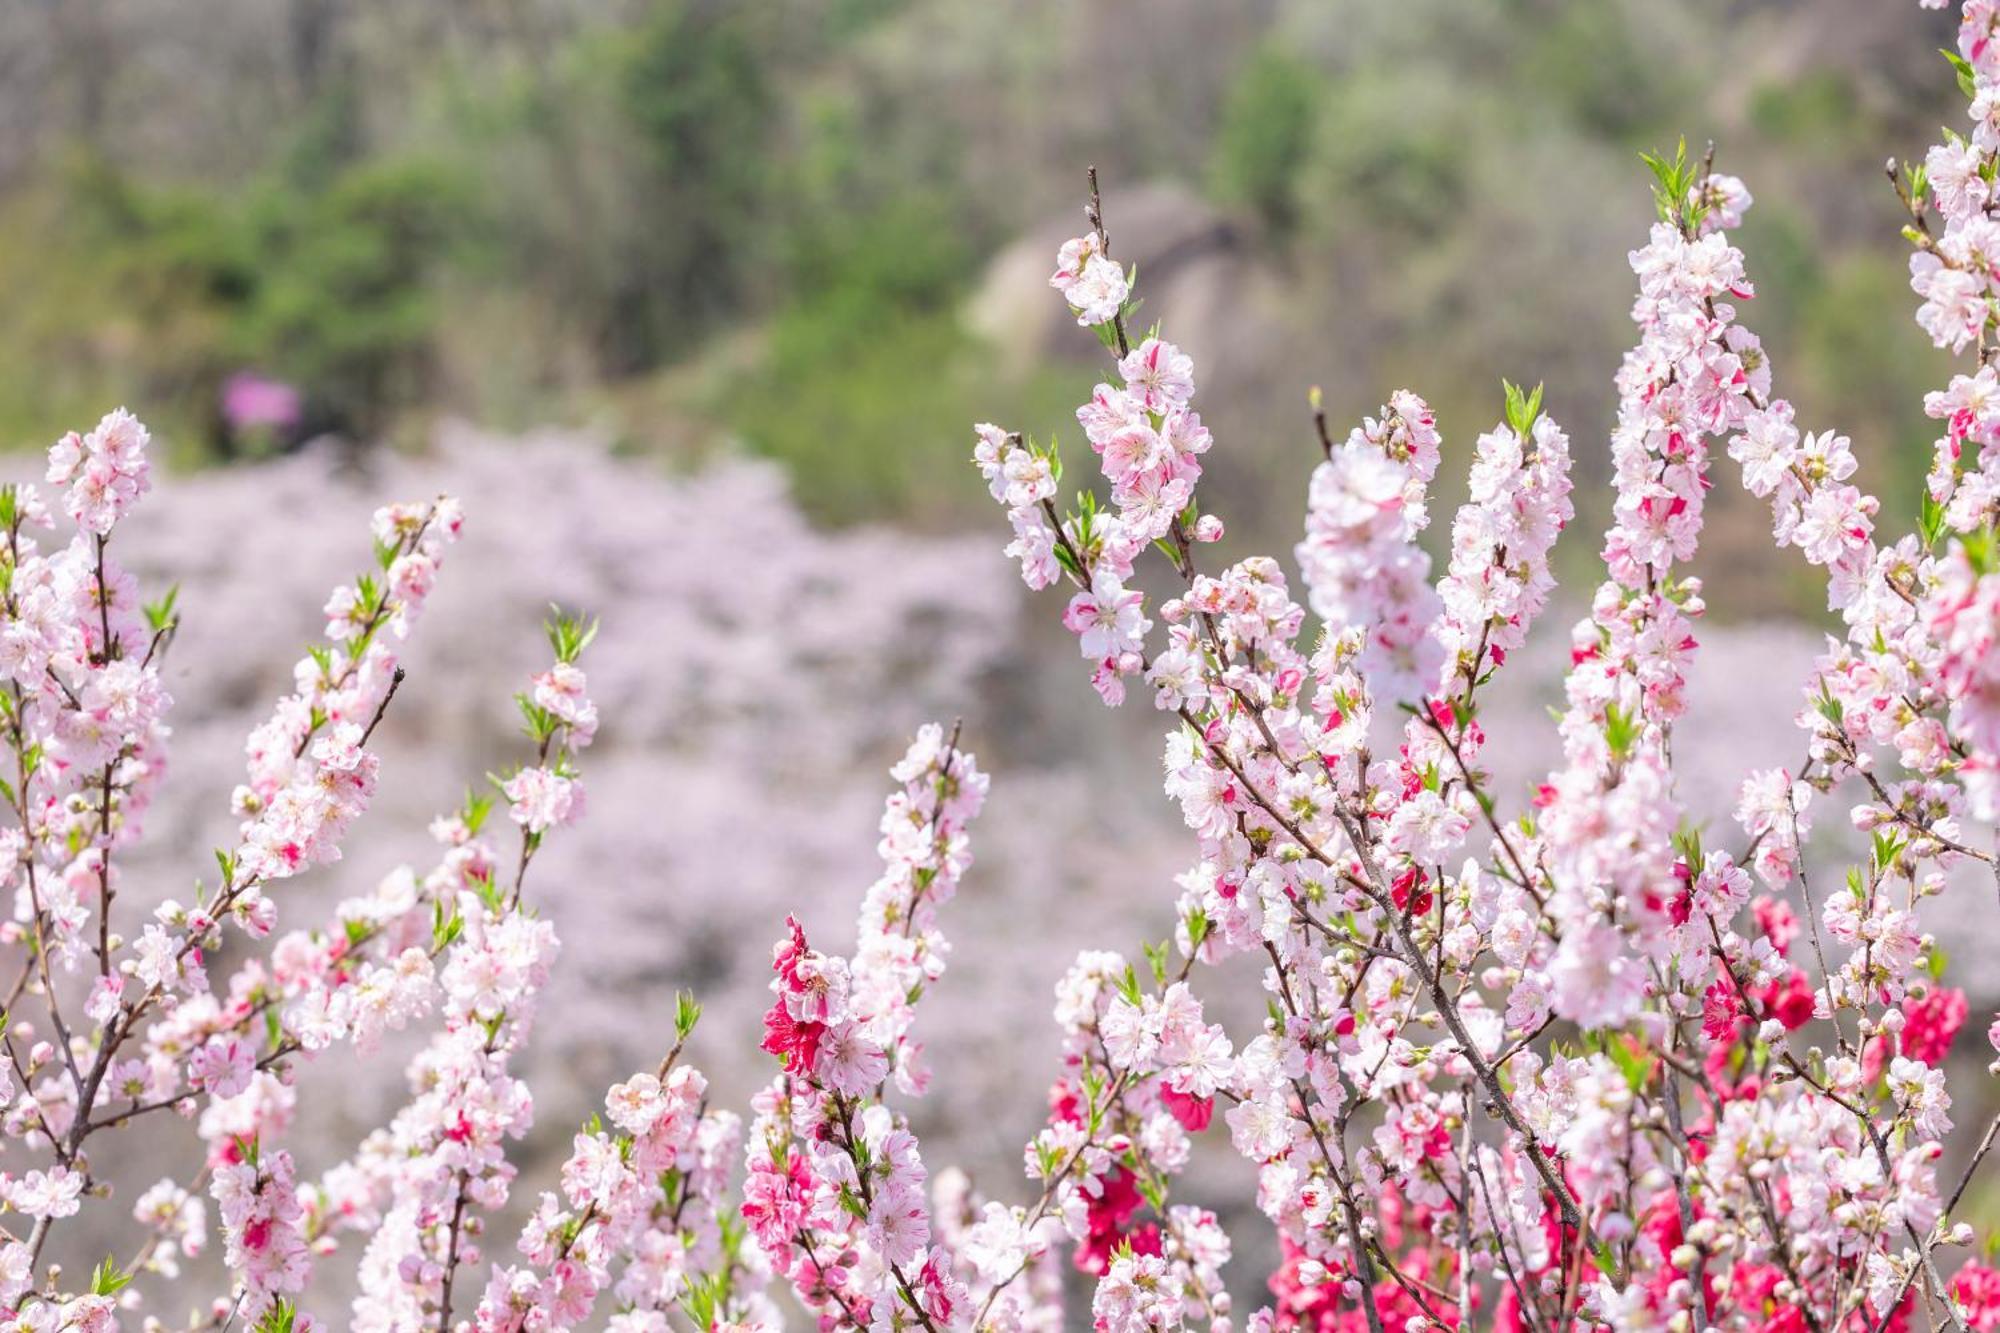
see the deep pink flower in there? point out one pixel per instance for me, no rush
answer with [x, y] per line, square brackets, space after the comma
[1930, 1024]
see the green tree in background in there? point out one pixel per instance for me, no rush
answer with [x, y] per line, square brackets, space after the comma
[692, 85]
[1266, 132]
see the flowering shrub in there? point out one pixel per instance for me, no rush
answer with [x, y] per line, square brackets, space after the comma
[1575, 1065]
[1565, 1066]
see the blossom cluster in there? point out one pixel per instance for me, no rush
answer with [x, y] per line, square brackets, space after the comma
[210, 1007]
[835, 1191]
[1549, 1060]
[1580, 1063]
[144, 1023]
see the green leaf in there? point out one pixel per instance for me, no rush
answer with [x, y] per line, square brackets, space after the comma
[1600, 1254]
[569, 635]
[1930, 521]
[541, 724]
[445, 930]
[703, 1299]
[1621, 731]
[1632, 1061]
[1981, 550]
[280, 1318]
[1522, 409]
[1962, 67]
[1068, 562]
[478, 805]
[161, 613]
[1672, 181]
[108, 1279]
[686, 1014]
[1687, 841]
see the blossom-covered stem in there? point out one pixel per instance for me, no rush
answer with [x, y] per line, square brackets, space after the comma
[1950, 1206]
[42, 948]
[809, 1243]
[945, 759]
[1081, 572]
[109, 648]
[1813, 933]
[104, 893]
[1095, 216]
[1042, 1203]
[1486, 807]
[1896, 812]
[1448, 1010]
[460, 1199]
[1364, 1266]
[370, 625]
[1051, 1190]
[1531, 1308]
[23, 775]
[1683, 1200]
[531, 839]
[291, 1044]
[1938, 1289]
[1419, 1291]
[848, 1141]
[1767, 1209]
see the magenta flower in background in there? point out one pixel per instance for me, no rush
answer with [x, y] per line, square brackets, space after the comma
[253, 402]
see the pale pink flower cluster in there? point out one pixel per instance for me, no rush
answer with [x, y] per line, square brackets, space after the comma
[423, 1186]
[1750, 1132]
[1608, 817]
[1918, 633]
[309, 775]
[1499, 579]
[641, 1197]
[835, 1192]
[82, 722]
[104, 472]
[1360, 558]
[263, 1228]
[1095, 288]
[1149, 442]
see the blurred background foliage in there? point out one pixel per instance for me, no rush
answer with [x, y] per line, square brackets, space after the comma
[817, 230]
